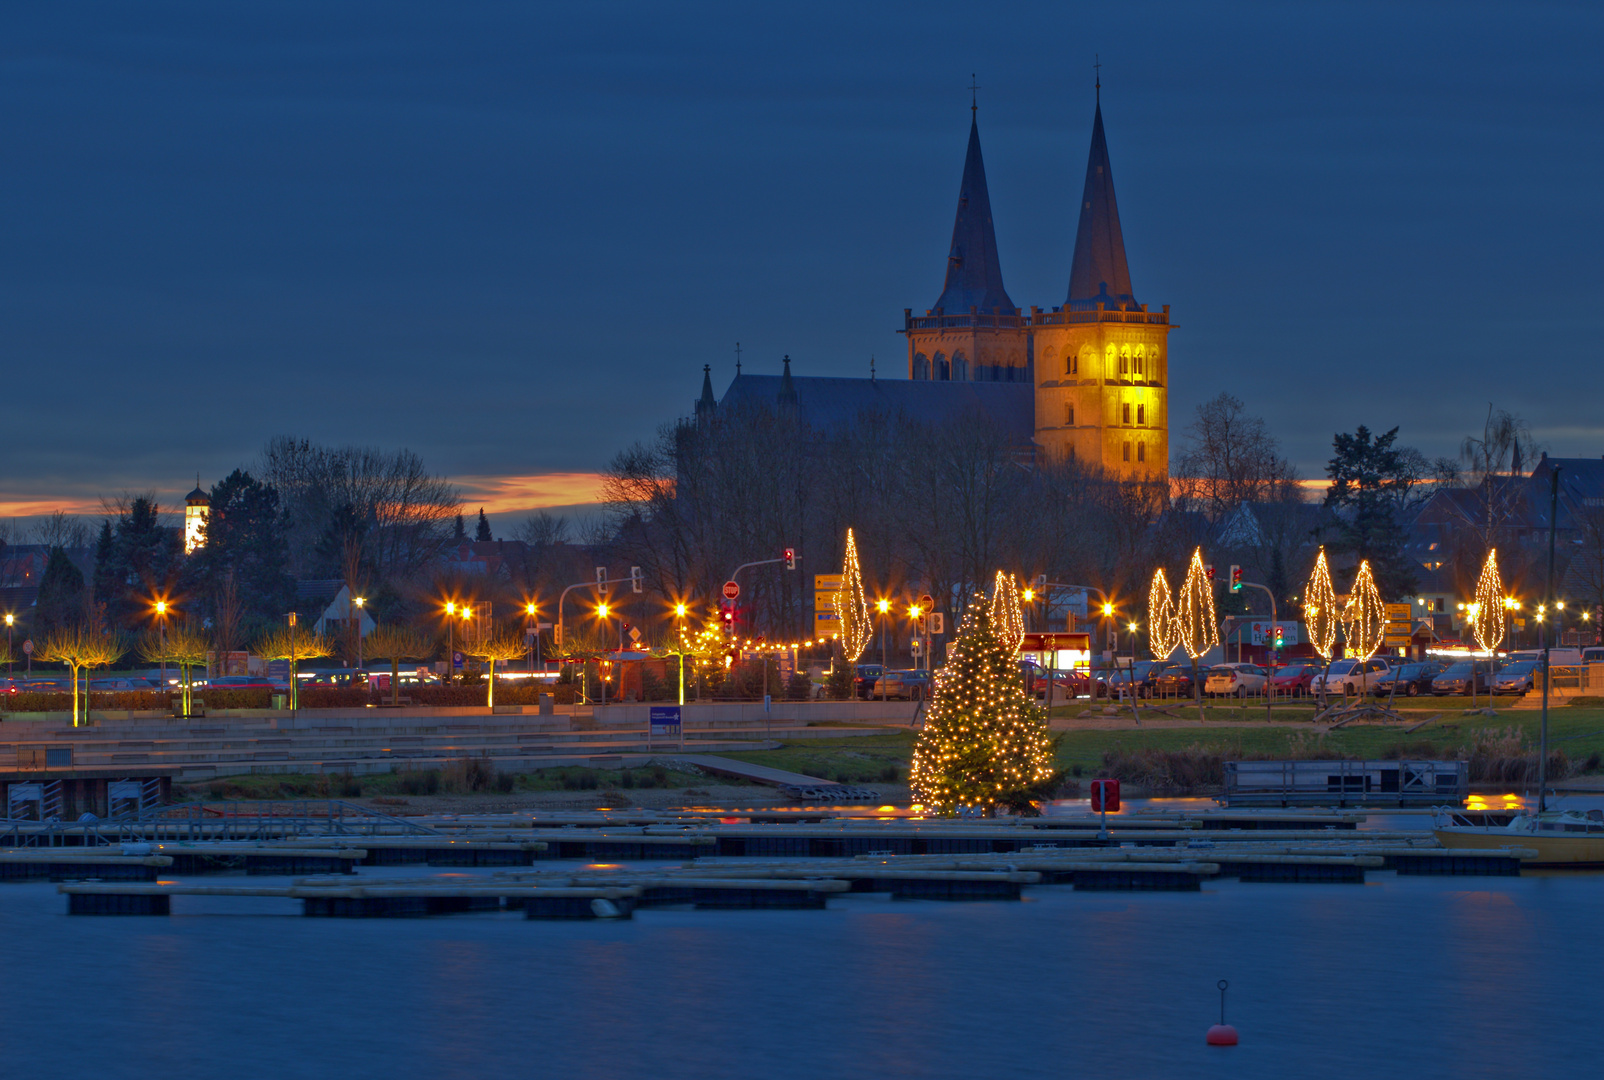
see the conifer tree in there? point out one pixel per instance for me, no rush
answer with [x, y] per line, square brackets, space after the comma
[984, 742]
[482, 532]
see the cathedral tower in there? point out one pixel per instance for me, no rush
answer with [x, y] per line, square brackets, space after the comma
[1102, 360]
[973, 333]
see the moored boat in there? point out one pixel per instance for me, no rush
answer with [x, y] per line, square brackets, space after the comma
[1557, 838]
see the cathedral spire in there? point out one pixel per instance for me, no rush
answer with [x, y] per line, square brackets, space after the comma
[974, 274]
[707, 404]
[1099, 270]
[787, 394]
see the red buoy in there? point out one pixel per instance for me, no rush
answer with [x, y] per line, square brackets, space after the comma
[1222, 1034]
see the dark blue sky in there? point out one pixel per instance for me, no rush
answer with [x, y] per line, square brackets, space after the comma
[509, 236]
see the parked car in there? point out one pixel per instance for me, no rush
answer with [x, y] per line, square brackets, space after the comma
[1517, 678]
[1411, 680]
[1457, 679]
[1235, 680]
[911, 685]
[1171, 679]
[124, 682]
[8, 686]
[1350, 676]
[1593, 655]
[1293, 680]
[1117, 681]
[864, 678]
[245, 682]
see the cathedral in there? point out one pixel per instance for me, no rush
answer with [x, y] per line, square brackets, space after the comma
[1084, 380]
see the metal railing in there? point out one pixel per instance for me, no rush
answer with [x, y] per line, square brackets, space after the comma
[241, 821]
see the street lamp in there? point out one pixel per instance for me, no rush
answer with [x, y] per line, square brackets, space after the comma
[534, 642]
[161, 621]
[359, 602]
[11, 622]
[914, 611]
[451, 642]
[884, 606]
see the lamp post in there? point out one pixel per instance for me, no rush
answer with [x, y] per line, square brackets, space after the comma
[601, 673]
[11, 622]
[161, 621]
[359, 602]
[884, 606]
[451, 641]
[914, 612]
[534, 642]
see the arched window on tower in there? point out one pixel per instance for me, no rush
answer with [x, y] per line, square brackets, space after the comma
[1141, 451]
[1154, 372]
[1125, 362]
[1069, 414]
[960, 367]
[921, 366]
[1127, 450]
[941, 369]
[1141, 415]
[1071, 364]
[1126, 414]
[1139, 362]
[1111, 361]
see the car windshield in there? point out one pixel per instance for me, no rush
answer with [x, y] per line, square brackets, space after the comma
[1521, 668]
[1293, 672]
[1342, 667]
[1461, 670]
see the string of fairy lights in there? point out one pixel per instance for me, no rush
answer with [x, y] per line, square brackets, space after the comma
[984, 736]
[1163, 635]
[852, 605]
[1195, 619]
[1320, 612]
[1364, 616]
[1487, 610]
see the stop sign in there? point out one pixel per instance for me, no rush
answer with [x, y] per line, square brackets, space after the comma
[927, 601]
[731, 590]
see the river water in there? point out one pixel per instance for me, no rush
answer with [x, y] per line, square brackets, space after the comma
[1432, 977]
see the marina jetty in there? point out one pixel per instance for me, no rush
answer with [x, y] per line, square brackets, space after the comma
[601, 865]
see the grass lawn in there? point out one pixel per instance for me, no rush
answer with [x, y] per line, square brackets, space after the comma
[1578, 731]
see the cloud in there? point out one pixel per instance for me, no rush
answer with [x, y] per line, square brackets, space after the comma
[536, 491]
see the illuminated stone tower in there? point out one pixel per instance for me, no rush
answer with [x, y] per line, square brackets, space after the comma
[973, 333]
[197, 507]
[1102, 360]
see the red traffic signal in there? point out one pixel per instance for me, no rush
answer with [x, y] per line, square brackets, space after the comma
[1209, 571]
[790, 558]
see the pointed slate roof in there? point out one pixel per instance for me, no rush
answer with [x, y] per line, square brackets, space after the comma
[974, 274]
[707, 402]
[1099, 271]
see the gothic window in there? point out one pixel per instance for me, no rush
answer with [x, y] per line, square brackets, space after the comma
[1141, 451]
[921, 366]
[1152, 364]
[1127, 408]
[943, 370]
[1073, 367]
[1125, 361]
[1049, 357]
[1141, 415]
[1069, 415]
[1127, 450]
[1139, 362]
[960, 367]
[1110, 360]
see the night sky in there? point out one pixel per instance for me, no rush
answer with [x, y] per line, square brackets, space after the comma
[509, 236]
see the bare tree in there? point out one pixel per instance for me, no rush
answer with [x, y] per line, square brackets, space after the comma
[1230, 459]
[62, 530]
[1492, 461]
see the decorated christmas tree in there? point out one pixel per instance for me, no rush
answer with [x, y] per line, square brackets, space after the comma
[984, 742]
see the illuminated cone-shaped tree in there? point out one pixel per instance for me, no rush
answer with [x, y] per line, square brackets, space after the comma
[1163, 635]
[1195, 620]
[1364, 617]
[1320, 613]
[1488, 607]
[985, 741]
[1006, 614]
[852, 605]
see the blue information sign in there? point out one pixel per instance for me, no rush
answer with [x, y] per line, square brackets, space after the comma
[278, 669]
[665, 719]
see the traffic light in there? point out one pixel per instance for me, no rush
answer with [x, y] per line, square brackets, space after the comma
[1236, 578]
[1208, 571]
[637, 582]
[601, 579]
[790, 558]
[1280, 635]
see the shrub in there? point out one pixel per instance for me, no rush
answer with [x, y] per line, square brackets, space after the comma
[467, 774]
[419, 781]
